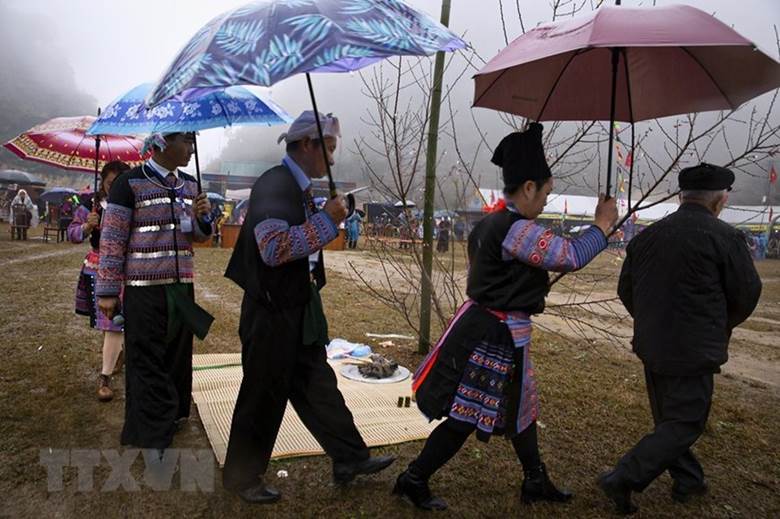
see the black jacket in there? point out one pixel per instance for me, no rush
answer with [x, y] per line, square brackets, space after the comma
[275, 194]
[687, 280]
[498, 284]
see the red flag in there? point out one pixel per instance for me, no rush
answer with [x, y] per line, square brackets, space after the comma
[772, 175]
[629, 159]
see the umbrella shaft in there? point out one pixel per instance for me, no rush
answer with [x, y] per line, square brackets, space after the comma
[97, 167]
[615, 59]
[331, 183]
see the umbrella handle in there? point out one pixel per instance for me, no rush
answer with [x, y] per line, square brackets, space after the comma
[197, 161]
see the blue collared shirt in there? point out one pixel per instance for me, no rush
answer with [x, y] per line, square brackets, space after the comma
[300, 177]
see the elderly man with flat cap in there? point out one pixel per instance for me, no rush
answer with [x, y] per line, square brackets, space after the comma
[278, 262]
[687, 281]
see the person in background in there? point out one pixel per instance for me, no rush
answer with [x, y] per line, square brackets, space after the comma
[460, 229]
[86, 226]
[443, 235]
[687, 281]
[352, 224]
[479, 377]
[22, 199]
[67, 208]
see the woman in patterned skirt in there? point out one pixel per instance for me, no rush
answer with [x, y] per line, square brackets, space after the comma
[479, 377]
[86, 225]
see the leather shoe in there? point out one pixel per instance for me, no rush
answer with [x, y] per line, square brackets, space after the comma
[260, 494]
[343, 473]
[618, 492]
[104, 392]
[682, 495]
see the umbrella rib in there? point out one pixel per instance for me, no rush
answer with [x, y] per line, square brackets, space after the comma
[695, 59]
[488, 88]
[558, 79]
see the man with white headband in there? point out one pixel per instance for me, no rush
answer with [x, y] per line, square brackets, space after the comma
[278, 262]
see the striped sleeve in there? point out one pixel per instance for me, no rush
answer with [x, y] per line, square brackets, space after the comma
[114, 235]
[537, 246]
[280, 243]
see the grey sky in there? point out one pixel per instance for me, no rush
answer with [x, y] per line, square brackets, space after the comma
[114, 45]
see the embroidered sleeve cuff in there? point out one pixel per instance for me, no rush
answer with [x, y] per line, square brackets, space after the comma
[108, 288]
[589, 244]
[330, 230]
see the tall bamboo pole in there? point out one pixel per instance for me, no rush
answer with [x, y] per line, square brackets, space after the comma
[430, 193]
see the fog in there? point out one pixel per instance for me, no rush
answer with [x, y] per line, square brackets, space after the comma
[69, 57]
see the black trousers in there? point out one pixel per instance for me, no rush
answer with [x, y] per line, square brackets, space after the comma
[158, 372]
[680, 407]
[449, 436]
[277, 368]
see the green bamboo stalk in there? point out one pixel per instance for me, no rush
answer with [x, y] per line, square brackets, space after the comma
[430, 192]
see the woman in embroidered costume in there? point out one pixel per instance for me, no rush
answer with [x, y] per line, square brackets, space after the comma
[86, 225]
[479, 376]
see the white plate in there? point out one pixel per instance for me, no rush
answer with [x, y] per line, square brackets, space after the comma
[351, 372]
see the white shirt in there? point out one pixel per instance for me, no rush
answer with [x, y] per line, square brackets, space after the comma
[161, 170]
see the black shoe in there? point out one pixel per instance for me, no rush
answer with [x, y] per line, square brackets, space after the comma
[179, 423]
[260, 494]
[343, 473]
[538, 487]
[411, 486]
[683, 495]
[618, 492]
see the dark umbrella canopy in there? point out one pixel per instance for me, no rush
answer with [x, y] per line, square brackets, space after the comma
[625, 64]
[14, 176]
[57, 194]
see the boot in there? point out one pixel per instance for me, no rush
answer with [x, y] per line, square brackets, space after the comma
[538, 487]
[618, 492]
[104, 392]
[414, 487]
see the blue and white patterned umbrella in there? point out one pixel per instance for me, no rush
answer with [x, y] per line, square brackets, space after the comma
[191, 111]
[267, 41]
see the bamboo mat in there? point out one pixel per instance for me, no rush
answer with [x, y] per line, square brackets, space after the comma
[217, 377]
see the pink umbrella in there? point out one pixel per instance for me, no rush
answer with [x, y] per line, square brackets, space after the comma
[625, 64]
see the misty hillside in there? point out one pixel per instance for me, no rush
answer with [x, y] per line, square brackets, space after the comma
[36, 84]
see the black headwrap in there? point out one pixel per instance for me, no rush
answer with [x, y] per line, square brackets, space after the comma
[520, 155]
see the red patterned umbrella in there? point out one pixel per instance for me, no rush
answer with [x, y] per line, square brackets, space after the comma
[62, 142]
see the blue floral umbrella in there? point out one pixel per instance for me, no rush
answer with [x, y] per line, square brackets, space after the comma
[267, 41]
[189, 111]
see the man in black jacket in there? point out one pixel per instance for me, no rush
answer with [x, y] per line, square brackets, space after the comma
[278, 262]
[687, 281]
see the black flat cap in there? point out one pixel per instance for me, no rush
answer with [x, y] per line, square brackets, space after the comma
[705, 177]
[520, 155]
